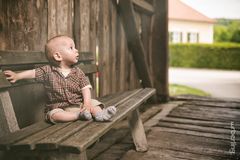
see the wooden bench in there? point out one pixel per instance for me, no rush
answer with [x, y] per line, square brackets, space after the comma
[25, 135]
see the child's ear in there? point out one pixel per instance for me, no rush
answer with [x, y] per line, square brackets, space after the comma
[57, 56]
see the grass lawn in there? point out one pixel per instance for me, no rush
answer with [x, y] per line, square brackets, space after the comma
[176, 89]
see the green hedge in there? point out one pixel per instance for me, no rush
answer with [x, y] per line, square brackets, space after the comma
[218, 56]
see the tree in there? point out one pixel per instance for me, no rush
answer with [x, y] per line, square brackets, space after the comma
[221, 34]
[234, 28]
[227, 31]
[236, 36]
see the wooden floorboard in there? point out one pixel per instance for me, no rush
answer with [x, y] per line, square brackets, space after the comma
[215, 104]
[165, 154]
[207, 113]
[226, 133]
[189, 143]
[204, 123]
[201, 128]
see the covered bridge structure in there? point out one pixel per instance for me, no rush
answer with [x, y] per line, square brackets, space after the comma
[129, 39]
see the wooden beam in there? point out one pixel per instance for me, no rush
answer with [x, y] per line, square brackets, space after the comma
[4, 83]
[134, 42]
[13, 57]
[143, 6]
[8, 120]
[160, 49]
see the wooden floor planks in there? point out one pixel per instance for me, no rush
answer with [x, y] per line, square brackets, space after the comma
[200, 129]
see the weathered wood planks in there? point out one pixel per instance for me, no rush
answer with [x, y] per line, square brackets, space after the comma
[198, 134]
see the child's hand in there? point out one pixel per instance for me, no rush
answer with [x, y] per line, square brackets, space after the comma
[91, 109]
[95, 110]
[11, 76]
[85, 107]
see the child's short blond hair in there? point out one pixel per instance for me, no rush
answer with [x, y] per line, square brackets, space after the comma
[53, 46]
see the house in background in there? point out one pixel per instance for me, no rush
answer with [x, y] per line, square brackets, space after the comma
[186, 25]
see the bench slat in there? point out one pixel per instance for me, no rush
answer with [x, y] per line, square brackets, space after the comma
[5, 141]
[11, 57]
[28, 142]
[87, 68]
[122, 98]
[22, 67]
[81, 140]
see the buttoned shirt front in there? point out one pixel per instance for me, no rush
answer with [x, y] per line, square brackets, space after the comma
[62, 91]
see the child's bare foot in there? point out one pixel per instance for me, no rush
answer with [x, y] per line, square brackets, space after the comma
[105, 114]
[85, 115]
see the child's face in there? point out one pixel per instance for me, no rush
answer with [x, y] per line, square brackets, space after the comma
[68, 52]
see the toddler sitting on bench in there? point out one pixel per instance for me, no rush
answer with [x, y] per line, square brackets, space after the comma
[67, 87]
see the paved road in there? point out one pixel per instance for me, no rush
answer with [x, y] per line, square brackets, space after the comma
[218, 83]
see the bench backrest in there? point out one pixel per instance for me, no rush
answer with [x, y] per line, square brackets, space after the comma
[22, 103]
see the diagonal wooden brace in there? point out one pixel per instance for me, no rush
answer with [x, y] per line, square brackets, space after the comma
[138, 132]
[134, 42]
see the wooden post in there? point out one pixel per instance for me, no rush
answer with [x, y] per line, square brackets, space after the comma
[160, 49]
[134, 42]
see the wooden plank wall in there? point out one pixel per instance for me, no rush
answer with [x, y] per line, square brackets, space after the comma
[26, 25]
[23, 24]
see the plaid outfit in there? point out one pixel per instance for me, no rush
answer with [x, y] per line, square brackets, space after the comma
[62, 91]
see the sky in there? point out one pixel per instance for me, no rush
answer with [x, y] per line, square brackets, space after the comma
[216, 8]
